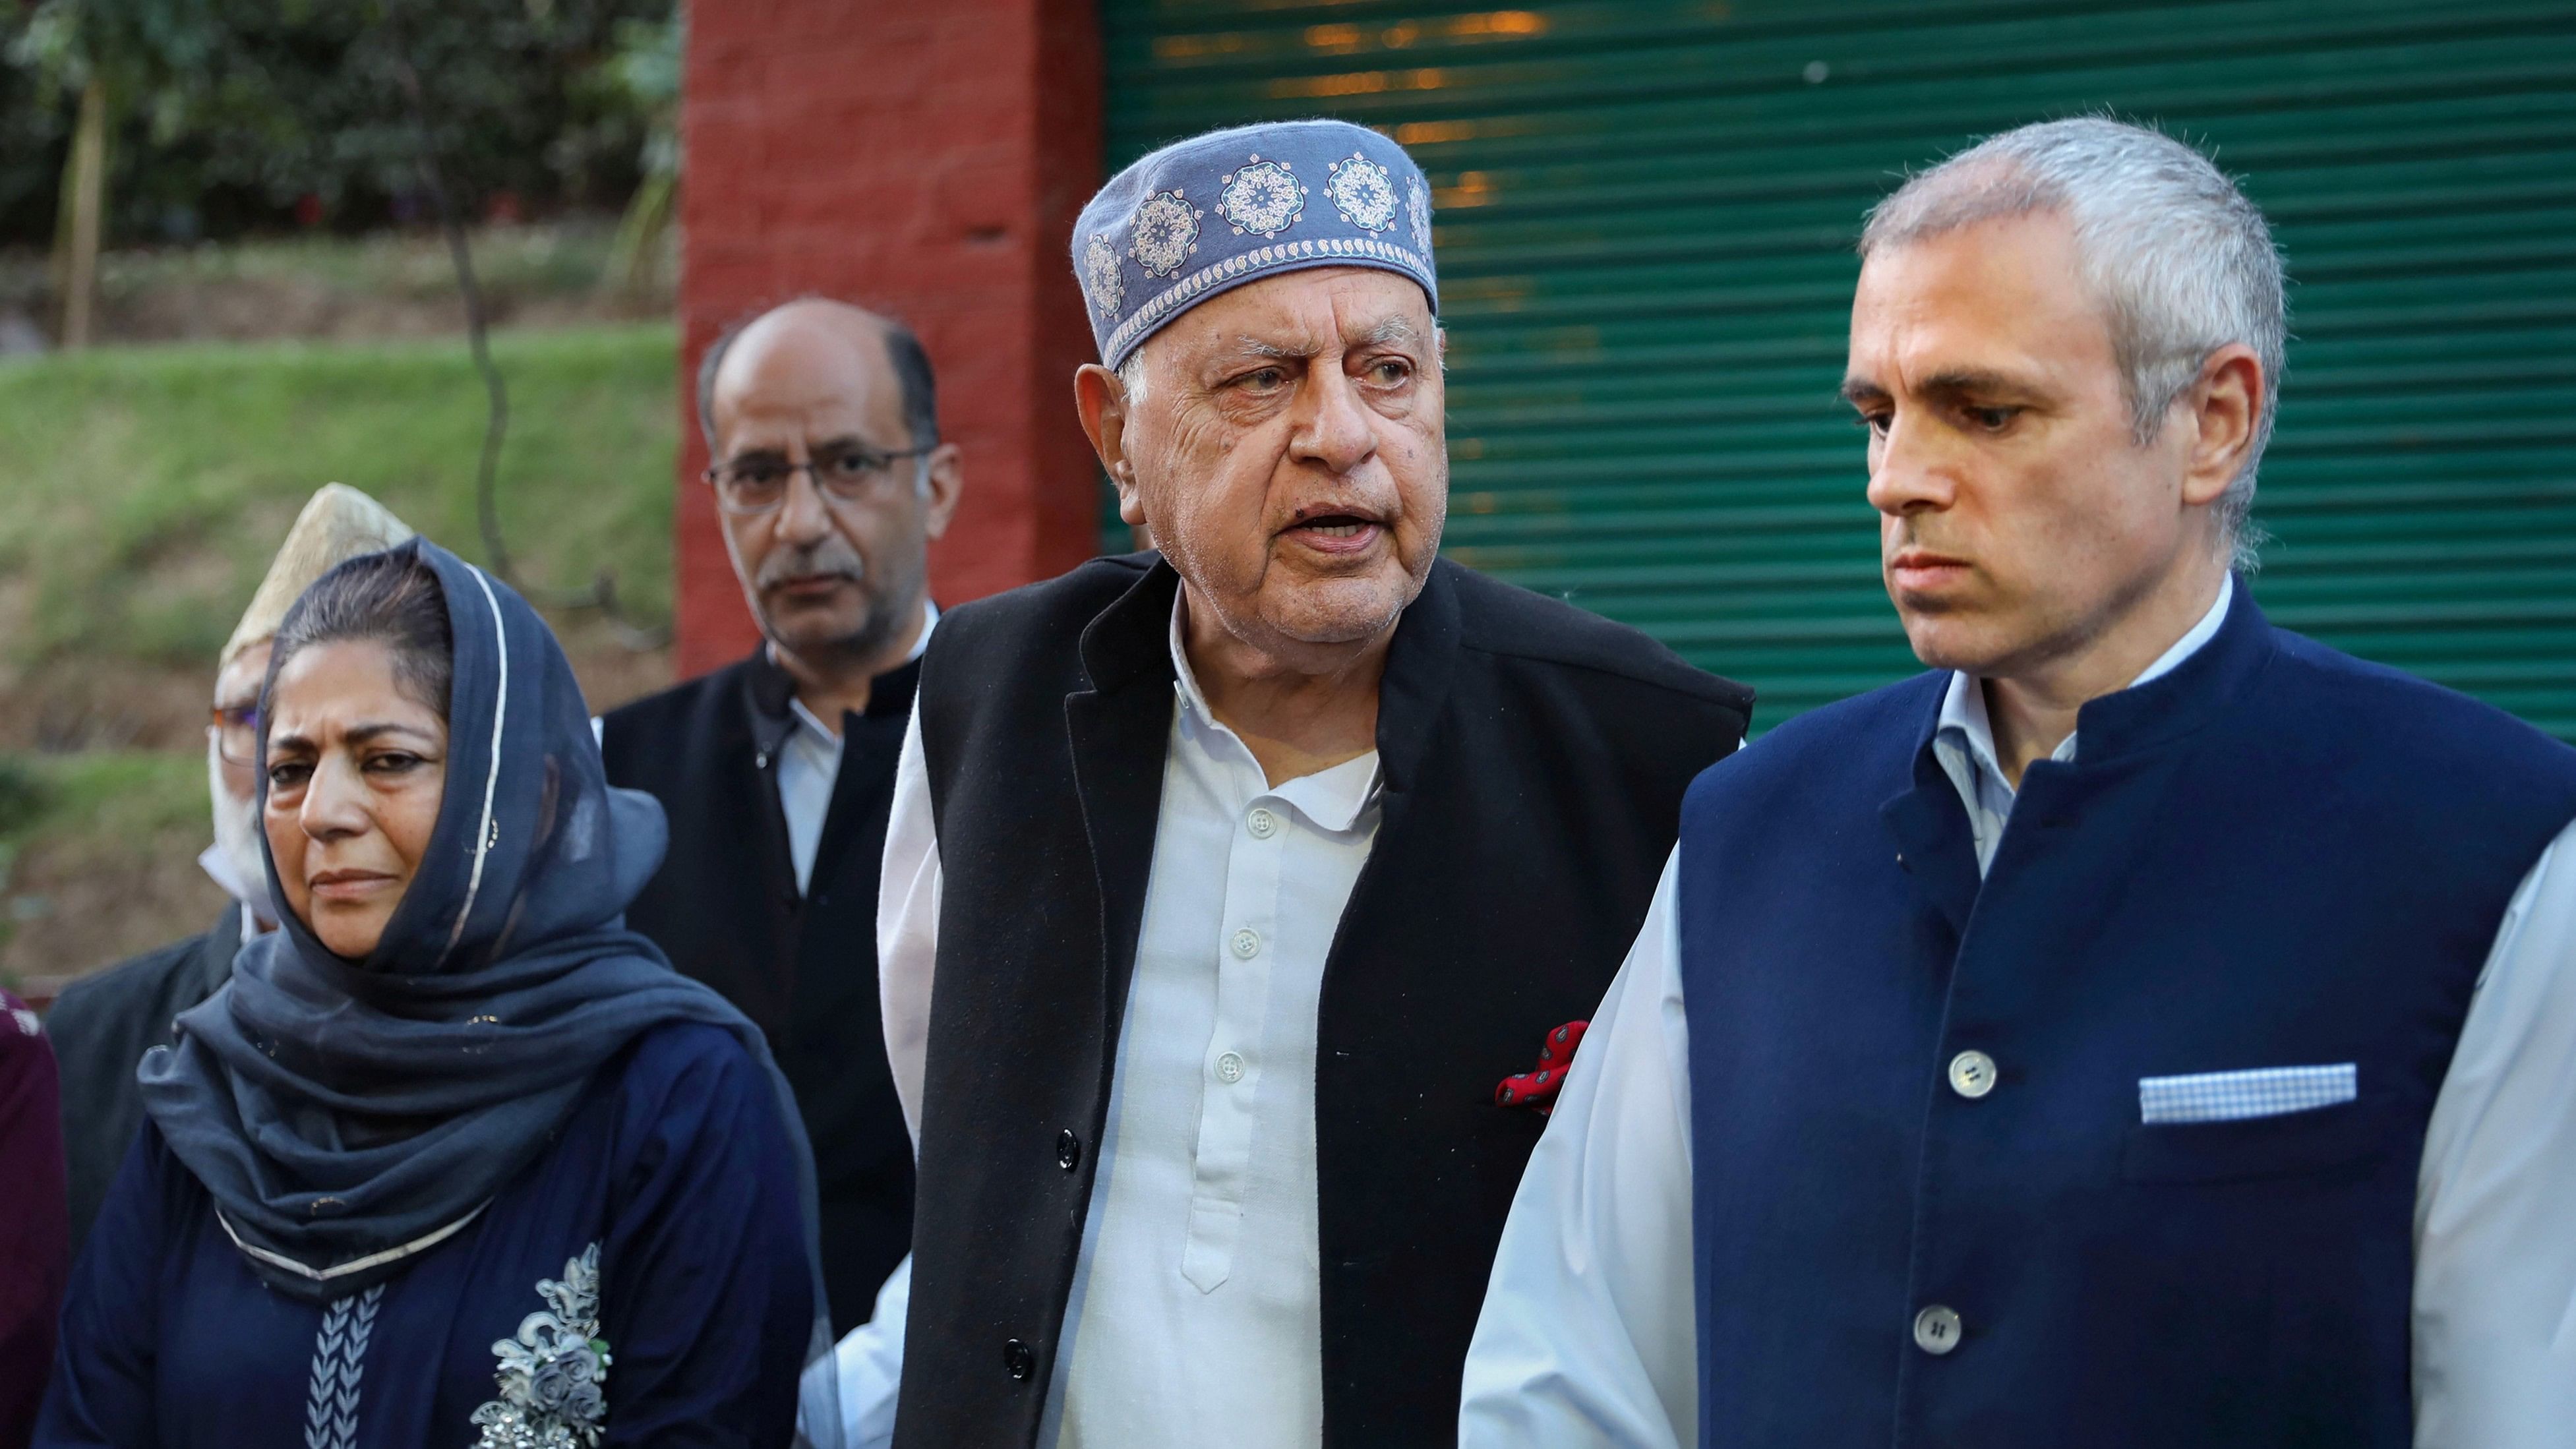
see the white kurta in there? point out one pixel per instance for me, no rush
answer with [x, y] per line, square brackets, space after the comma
[1589, 1337]
[1195, 1314]
[809, 767]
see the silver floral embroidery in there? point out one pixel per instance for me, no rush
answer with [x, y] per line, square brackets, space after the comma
[1362, 192]
[1100, 279]
[1264, 198]
[1163, 233]
[1419, 199]
[554, 1374]
[339, 1359]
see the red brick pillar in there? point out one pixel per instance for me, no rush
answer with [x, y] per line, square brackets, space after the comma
[922, 159]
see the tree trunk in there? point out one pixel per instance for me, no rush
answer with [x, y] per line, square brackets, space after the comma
[84, 199]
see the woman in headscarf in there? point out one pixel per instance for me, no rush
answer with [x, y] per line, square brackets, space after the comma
[455, 1159]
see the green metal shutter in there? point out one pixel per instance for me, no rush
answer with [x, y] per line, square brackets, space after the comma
[1644, 220]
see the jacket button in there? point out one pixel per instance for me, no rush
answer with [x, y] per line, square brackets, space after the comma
[1936, 1330]
[1020, 1359]
[1068, 1150]
[1972, 1074]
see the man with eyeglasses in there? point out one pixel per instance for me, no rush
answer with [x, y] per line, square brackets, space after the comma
[777, 771]
[103, 1023]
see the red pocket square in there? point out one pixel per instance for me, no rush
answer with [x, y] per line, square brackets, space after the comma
[1539, 1086]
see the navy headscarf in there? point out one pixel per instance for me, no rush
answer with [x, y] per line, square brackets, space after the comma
[347, 1115]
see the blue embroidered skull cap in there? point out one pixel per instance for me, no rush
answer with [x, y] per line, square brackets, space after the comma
[1203, 216]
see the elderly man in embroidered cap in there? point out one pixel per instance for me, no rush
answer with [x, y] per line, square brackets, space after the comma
[1250, 868]
[104, 1023]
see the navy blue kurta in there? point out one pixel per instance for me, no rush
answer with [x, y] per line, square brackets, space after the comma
[676, 1304]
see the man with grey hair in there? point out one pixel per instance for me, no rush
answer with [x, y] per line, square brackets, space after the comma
[1966, 1085]
[830, 480]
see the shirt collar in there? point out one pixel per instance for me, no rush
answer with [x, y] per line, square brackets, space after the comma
[1333, 799]
[810, 723]
[1965, 723]
[778, 714]
[930, 621]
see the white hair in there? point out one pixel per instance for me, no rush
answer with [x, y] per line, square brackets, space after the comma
[2182, 261]
[1131, 377]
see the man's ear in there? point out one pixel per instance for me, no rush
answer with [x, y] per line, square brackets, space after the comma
[1100, 400]
[2226, 404]
[943, 478]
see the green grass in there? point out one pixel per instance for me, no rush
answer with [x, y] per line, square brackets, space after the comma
[109, 792]
[101, 814]
[143, 490]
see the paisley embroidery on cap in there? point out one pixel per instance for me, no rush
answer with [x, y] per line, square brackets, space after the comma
[1418, 199]
[554, 1375]
[1100, 279]
[1163, 233]
[1264, 198]
[1362, 192]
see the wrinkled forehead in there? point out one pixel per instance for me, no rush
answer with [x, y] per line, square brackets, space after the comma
[329, 686]
[1315, 313]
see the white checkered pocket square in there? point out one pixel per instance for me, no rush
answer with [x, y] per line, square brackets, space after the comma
[2236, 1096]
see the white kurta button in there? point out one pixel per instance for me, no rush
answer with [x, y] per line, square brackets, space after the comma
[1261, 823]
[1972, 1075]
[1247, 943]
[1229, 1069]
[1936, 1330]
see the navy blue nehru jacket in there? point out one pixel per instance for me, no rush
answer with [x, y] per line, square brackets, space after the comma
[2273, 855]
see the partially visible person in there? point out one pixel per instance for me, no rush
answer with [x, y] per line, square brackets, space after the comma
[2148, 1027]
[103, 1023]
[777, 771]
[32, 1249]
[454, 1158]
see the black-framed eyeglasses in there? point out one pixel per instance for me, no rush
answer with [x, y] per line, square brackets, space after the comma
[237, 733]
[759, 485]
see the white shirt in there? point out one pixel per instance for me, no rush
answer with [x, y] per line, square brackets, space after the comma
[809, 765]
[219, 869]
[1589, 1336]
[1195, 1313]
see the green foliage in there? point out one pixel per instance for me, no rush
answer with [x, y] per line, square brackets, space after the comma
[230, 111]
[147, 488]
[112, 792]
[23, 796]
[645, 74]
[104, 811]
